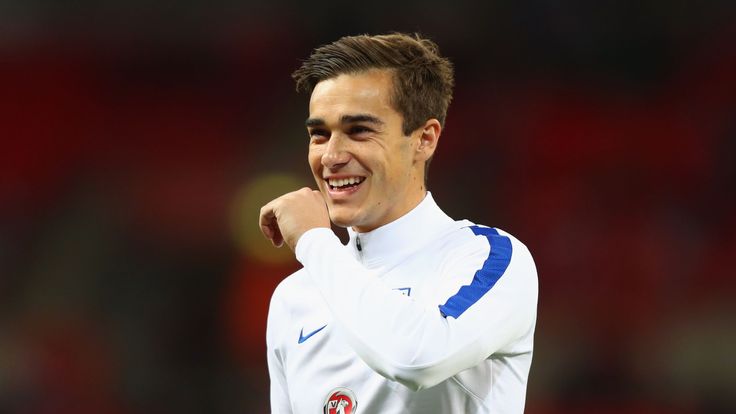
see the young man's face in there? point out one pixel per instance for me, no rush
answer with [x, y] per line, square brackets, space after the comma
[369, 172]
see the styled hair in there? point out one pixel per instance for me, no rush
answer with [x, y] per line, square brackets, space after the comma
[422, 79]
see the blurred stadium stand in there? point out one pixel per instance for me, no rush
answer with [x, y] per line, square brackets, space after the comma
[139, 141]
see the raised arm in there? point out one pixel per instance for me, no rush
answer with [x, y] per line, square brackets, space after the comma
[420, 345]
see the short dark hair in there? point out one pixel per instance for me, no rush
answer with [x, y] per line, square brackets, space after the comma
[423, 80]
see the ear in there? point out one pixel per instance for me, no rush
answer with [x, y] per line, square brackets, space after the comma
[429, 135]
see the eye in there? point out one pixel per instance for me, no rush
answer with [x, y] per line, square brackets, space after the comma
[358, 129]
[318, 134]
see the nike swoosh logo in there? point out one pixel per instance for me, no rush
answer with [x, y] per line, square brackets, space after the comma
[303, 338]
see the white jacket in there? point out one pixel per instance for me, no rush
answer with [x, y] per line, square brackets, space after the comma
[430, 315]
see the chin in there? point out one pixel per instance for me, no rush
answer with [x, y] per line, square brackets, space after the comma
[343, 219]
[340, 222]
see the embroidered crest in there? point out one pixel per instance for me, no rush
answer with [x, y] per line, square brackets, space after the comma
[340, 401]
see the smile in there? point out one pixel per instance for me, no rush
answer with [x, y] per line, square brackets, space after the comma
[341, 184]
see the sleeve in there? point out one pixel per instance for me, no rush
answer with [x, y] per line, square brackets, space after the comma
[416, 344]
[277, 318]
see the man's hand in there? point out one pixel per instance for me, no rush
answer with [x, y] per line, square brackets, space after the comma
[286, 218]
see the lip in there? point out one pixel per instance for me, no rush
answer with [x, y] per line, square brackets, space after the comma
[342, 195]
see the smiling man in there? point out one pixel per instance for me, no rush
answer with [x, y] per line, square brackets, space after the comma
[418, 313]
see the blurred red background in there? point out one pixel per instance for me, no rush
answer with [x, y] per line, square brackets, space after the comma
[138, 144]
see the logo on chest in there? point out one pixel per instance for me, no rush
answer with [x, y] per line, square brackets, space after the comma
[406, 291]
[340, 401]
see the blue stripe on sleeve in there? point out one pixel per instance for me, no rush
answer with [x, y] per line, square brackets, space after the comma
[485, 278]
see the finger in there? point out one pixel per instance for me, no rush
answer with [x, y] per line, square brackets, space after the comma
[268, 223]
[277, 239]
[265, 220]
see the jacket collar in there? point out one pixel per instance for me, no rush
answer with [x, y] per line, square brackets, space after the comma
[402, 236]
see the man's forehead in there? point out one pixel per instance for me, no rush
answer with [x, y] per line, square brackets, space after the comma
[371, 76]
[350, 94]
[362, 85]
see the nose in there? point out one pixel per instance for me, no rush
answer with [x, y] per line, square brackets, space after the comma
[336, 154]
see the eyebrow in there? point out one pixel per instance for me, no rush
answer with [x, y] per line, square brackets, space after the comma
[346, 119]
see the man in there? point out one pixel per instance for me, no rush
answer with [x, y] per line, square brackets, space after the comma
[419, 313]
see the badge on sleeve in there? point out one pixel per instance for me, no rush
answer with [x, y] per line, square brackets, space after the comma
[340, 401]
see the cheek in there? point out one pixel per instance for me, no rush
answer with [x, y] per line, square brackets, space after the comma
[314, 159]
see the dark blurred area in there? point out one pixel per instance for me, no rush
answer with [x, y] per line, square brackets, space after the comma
[139, 141]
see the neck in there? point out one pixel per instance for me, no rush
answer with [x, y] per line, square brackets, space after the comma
[408, 205]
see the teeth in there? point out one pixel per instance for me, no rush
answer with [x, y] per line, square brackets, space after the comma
[340, 182]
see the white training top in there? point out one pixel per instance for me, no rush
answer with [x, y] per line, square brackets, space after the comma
[422, 315]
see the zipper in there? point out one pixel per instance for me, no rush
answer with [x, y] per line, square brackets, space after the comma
[359, 247]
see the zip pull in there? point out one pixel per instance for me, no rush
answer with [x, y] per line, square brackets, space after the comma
[357, 244]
